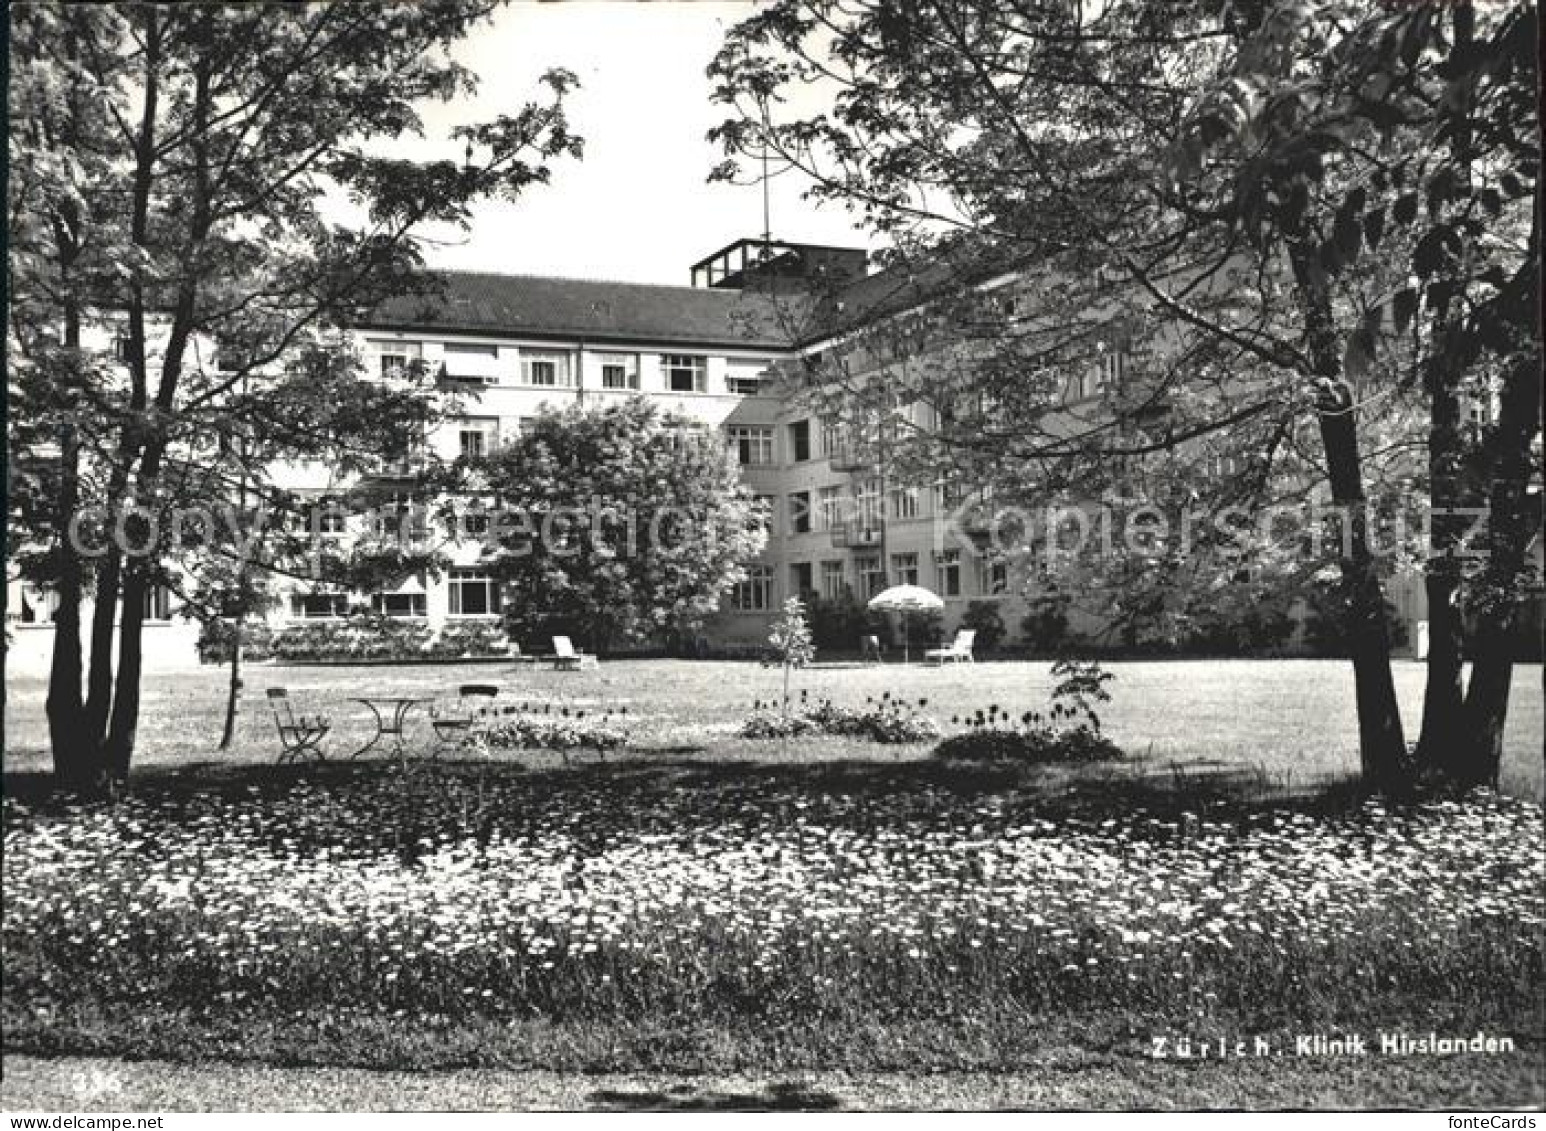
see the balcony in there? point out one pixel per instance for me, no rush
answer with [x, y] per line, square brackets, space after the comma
[855, 534]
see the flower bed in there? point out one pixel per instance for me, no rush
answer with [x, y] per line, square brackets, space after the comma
[763, 901]
[888, 720]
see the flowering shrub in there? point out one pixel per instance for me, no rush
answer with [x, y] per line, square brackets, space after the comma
[563, 730]
[768, 723]
[757, 899]
[889, 720]
[470, 640]
[1069, 732]
[372, 637]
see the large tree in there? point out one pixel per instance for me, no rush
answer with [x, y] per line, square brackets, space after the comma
[1083, 147]
[174, 174]
[619, 523]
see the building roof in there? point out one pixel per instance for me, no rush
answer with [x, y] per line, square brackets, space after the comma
[594, 310]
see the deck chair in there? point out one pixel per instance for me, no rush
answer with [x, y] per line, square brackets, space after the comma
[869, 650]
[299, 735]
[453, 722]
[566, 659]
[958, 651]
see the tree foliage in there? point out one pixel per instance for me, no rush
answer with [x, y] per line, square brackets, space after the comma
[617, 524]
[176, 174]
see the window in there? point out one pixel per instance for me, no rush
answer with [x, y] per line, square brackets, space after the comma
[904, 502]
[829, 504]
[867, 503]
[311, 606]
[472, 593]
[755, 594]
[831, 436]
[800, 575]
[121, 347]
[685, 373]
[470, 349]
[833, 581]
[764, 506]
[619, 371]
[800, 440]
[475, 524]
[948, 566]
[158, 602]
[800, 512]
[1113, 367]
[399, 604]
[872, 575]
[744, 378]
[753, 445]
[905, 567]
[328, 518]
[545, 370]
[949, 495]
[394, 356]
[398, 518]
[995, 577]
[476, 436]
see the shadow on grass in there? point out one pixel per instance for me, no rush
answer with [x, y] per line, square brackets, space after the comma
[1071, 791]
[784, 1096]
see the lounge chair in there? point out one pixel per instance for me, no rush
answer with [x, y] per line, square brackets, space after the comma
[453, 722]
[299, 735]
[960, 649]
[566, 659]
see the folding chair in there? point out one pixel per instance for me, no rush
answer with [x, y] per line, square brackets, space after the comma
[453, 726]
[299, 735]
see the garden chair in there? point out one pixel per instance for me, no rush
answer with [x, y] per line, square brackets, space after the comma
[299, 735]
[566, 659]
[453, 722]
[959, 650]
[869, 650]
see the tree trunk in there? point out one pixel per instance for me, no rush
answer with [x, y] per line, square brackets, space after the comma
[1441, 738]
[1381, 744]
[68, 740]
[1513, 521]
[124, 722]
[234, 688]
[104, 618]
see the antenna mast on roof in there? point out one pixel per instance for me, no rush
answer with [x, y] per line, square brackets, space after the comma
[767, 223]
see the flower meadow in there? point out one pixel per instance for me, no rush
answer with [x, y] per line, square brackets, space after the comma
[594, 897]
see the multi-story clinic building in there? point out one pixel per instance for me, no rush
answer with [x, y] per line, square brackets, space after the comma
[516, 344]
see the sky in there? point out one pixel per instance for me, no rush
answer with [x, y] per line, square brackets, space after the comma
[638, 207]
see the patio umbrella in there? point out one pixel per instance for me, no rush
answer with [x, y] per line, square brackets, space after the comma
[906, 599]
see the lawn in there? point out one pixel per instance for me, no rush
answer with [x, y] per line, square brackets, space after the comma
[741, 911]
[1292, 720]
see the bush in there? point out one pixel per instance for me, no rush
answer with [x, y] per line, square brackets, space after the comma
[1045, 627]
[563, 732]
[215, 639]
[470, 639]
[836, 624]
[362, 637]
[984, 618]
[768, 723]
[1041, 745]
[888, 721]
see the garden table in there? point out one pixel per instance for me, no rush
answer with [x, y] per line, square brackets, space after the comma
[391, 713]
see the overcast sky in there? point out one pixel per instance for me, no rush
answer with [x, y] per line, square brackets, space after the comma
[638, 206]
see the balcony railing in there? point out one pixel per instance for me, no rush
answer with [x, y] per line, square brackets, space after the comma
[849, 534]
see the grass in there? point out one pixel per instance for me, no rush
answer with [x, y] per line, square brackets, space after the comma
[778, 912]
[1291, 721]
